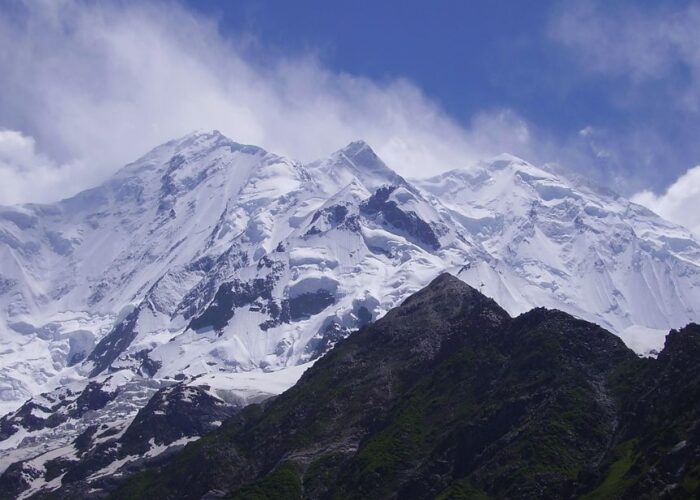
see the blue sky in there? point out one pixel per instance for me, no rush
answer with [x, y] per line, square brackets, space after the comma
[609, 90]
[469, 55]
[476, 55]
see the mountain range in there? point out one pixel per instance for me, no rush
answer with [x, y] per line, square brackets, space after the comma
[230, 270]
[446, 396]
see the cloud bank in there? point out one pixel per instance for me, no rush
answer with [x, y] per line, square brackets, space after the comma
[88, 87]
[25, 173]
[680, 203]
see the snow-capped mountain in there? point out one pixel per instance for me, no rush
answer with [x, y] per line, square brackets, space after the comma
[207, 258]
[564, 244]
[207, 255]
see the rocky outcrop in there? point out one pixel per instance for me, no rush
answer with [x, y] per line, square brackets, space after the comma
[447, 396]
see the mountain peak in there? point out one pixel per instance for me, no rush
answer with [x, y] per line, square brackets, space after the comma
[449, 281]
[448, 298]
[356, 148]
[505, 161]
[448, 278]
[356, 161]
[211, 139]
[444, 286]
[367, 164]
[360, 155]
[190, 147]
[682, 344]
[507, 157]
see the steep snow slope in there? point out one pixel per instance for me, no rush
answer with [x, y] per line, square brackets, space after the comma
[115, 275]
[207, 257]
[204, 219]
[569, 246]
[73, 269]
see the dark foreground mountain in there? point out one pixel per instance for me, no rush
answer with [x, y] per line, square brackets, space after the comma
[447, 396]
[213, 263]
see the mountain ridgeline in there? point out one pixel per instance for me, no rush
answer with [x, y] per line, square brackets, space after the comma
[209, 255]
[447, 396]
[209, 274]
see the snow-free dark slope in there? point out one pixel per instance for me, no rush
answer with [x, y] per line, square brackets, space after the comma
[218, 264]
[448, 397]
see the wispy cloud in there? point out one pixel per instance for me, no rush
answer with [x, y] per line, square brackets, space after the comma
[658, 44]
[650, 55]
[96, 85]
[87, 87]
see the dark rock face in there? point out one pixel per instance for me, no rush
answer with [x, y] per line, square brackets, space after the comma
[14, 481]
[170, 187]
[329, 334]
[33, 415]
[406, 222]
[335, 215]
[149, 367]
[308, 304]
[176, 412]
[257, 295]
[219, 312]
[203, 293]
[114, 343]
[449, 397]
[230, 296]
[659, 448]
[172, 414]
[93, 397]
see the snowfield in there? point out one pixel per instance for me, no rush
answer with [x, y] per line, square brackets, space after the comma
[224, 266]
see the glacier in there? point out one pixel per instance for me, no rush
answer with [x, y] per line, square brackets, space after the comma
[208, 260]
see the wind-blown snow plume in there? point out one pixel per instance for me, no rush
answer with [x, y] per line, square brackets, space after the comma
[96, 85]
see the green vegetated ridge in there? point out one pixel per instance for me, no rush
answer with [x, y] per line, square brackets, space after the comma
[448, 397]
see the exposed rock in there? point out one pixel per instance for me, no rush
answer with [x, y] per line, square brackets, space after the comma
[407, 222]
[448, 397]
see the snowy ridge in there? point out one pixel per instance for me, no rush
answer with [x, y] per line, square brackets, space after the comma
[207, 261]
[593, 254]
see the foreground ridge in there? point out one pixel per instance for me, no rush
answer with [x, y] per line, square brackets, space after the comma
[447, 396]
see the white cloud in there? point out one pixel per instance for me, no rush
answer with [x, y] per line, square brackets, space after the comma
[23, 171]
[16, 149]
[640, 44]
[680, 203]
[98, 85]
